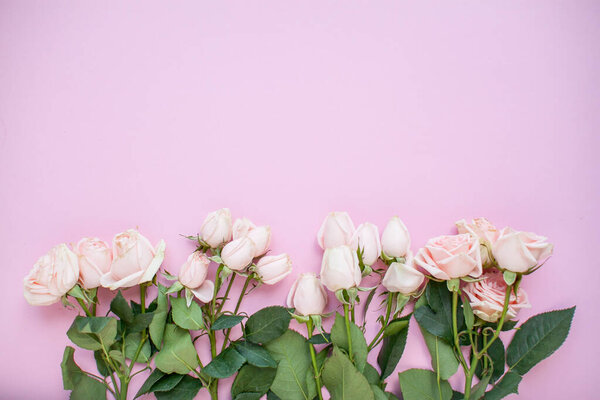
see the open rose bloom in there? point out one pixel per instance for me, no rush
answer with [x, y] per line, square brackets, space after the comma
[451, 256]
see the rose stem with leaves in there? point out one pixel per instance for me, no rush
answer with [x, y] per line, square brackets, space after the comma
[350, 353]
[313, 356]
[237, 308]
[388, 312]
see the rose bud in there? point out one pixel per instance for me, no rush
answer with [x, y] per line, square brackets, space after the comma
[135, 260]
[95, 258]
[395, 239]
[241, 227]
[307, 295]
[339, 269]
[238, 253]
[272, 269]
[193, 276]
[520, 251]
[52, 276]
[216, 228]
[486, 297]
[403, 278]
[451, 256]
[337, 230]
[482, 229]
[366, 238]
[261, 236]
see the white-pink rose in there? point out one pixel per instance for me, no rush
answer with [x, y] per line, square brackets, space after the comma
[238, 253]
[95, 257]
[241, 227]
[272, 269]
[337, 230]
[217, 228]
[402, 278]
[519, 251]
[482, 229]
[52, 276]
[487, 295]
[395, 239]
[366, 238]
[339, 269]
[193, 276]
[135, 260]
[307, 295]
[261, 236]
[451, 256]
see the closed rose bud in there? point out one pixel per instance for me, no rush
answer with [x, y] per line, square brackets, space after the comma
[217, 228]
[95, 258]
[52, 276]
[135, 260]
[451, 256]
[241, 227]
[366, 238]
[395, 239]
[339, 269]
[307, 295]
[238, 253]
[261, 236]
[519, 251]
[193, 276]
[272, 269]
[402, 278]
[337, 230]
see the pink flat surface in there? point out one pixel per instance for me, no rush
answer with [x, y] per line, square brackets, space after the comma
[151, 115]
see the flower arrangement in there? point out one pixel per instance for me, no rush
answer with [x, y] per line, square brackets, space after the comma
[462, 290]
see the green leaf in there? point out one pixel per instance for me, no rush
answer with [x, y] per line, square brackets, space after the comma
[478, 390]
[292, 354]
[378, 393]
[267, 324]
[154, 377]
[343, 380]
[421, 384]
[252, 380]
[167, 382]
[469, 316]
[371, 374]
[178, 353]
[538, 338]
[226, 321]
[507, 385]
[255, 354]
[101, 365]
[225, 364]
[496, 353]
[393, 347]
[272, 396]
[320, 338]
[83, 387]
[395, 326]
[436, 324]
[187, 317]
[132, 341]
[90, 332]
[157, 326]
[440, 302]
[440, 351]
[121, 309]
[186, 389]
[339, 337]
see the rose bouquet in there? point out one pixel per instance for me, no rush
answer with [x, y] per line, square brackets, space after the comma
[464, 291]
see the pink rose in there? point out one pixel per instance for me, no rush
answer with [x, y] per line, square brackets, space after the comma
[366, 238]
[216, 228]
[482, 229]
[193, 276]
[339, 269]
[337, 230]
[272, 269]
[486, 297]
[95, 258]
[238, 253]
[519, 251]
[241, 227]
[451, 256]
[52, 276]
[261, 236]
[307, 295]
[135, 260]
[395, 239]
[402, 278]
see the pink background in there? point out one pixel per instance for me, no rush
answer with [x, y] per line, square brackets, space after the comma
[151, 115]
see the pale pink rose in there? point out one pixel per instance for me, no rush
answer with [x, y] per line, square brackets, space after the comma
[238, 253]
[519, 251]
[52, 276]
[486, 297]
[272, 269]
[451, 256]
[261, 236]
[402, 278]
[95, 257]
[339, 269]
[135, 260]
[366, 238]
[307, 295]
[217, 228]
[395, 239]
[193, 276]
[337, 230]
[482, 229]
[241, 227]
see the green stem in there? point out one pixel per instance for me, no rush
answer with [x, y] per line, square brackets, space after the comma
[455, 332]
[84, 308]
[388, 313]
[237, 308]
[350, 353]
[143, 297]
[124, 387]
[500, 322]
[353, 319]
[215, 292]
[469, 378]
[313, 356]
[226, 293]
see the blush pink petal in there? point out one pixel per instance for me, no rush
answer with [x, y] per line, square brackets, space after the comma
[205, 292]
